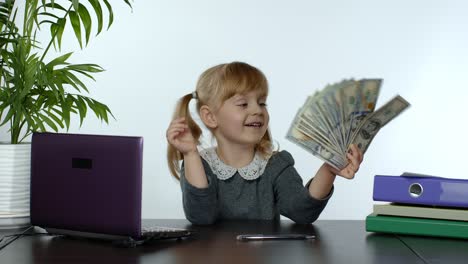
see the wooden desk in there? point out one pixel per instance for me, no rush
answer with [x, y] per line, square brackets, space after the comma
[434, 250]
[337, 242]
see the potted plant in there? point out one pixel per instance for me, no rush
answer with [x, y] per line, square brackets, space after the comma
[38, 93]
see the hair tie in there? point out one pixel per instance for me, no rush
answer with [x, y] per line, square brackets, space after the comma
[194, 95]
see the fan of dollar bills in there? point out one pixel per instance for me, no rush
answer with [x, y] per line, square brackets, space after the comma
[340, 115]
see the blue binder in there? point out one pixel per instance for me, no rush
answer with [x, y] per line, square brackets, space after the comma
[421, 189]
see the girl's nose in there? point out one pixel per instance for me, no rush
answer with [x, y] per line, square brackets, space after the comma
[257, 109]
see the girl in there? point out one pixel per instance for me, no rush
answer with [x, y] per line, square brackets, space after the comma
[242, 177]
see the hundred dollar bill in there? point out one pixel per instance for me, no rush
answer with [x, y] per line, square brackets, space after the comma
[372, 124]
[312, 146]
[339, 115]
[315, 149]
[358, 103]
[326, 110]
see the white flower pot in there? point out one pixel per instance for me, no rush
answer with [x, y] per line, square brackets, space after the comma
[15, 171]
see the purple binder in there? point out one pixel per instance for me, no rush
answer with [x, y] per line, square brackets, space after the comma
[421, 189]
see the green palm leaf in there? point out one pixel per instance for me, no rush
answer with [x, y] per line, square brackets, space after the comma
[86, 20]
[76, 24]
[48, 121]
[76, 4]
[98, 10]
[111, 13]
[59, 60]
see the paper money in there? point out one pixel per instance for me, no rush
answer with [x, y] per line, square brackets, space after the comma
[340, 115]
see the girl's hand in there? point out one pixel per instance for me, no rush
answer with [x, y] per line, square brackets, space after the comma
[178, 135]
[355, 157]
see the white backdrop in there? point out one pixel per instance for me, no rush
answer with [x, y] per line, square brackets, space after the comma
[155, 54]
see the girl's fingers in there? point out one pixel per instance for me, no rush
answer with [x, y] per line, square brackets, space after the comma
[173, 133]
[178, 120]
[361, 155]
[177, 127]
[354, 162]
[358, 152]
[353, 159]
[347, 173]
[184, 126]
[171, 136]
[355, 151]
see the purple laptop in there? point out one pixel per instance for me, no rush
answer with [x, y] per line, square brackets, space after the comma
[90, 185]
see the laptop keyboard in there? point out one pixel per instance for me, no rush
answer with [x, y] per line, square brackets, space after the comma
[159, 229]
[164, 232]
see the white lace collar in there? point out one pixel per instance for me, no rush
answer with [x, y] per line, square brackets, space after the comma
[224, 171]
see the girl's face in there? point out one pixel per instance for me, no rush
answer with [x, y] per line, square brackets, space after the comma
[242, 119]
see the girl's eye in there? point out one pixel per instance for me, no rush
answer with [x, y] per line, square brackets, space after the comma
[263, 104]
[243, 105]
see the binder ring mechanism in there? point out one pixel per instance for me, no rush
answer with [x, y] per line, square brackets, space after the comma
[415, 190]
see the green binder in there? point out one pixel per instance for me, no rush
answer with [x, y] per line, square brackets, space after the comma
[416, 226]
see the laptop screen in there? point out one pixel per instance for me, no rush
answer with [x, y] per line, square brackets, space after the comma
[87, 183]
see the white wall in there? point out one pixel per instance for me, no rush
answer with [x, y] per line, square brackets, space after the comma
[155, 55]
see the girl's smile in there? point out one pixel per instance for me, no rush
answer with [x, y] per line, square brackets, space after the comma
[255, 124]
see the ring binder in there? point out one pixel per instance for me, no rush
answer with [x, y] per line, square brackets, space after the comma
[421, 189]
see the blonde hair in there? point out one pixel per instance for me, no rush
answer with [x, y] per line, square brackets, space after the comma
[216, 85]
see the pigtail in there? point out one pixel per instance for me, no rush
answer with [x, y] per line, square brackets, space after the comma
[173, 155]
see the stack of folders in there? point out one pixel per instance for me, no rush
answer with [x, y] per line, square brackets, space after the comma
[420, 205]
